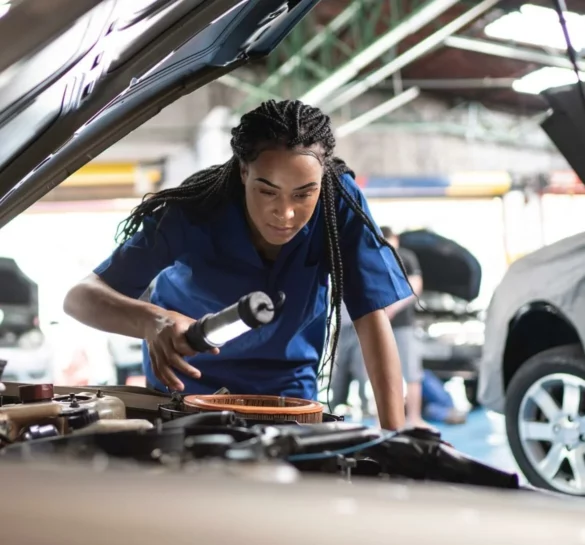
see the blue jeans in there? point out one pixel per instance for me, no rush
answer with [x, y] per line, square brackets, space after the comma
[437, 402]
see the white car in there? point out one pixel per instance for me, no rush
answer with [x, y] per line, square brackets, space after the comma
[533, 364]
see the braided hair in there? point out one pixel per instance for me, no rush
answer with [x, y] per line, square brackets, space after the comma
[286, 124]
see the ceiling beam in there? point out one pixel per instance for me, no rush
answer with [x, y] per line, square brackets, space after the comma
[376, 113]
[460, 83]
[254, 90]
[337, 24]
[420, 49]
[411, 24]
[508, 51]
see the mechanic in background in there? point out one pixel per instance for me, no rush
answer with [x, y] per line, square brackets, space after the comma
[402, 318]
[349, 366]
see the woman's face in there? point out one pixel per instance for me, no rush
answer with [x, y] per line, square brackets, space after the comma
[282, 188]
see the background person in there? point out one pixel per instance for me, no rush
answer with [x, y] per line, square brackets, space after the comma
[349, 366]
[402, 318]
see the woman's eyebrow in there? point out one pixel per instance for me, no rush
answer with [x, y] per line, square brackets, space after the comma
[265, 181]
[306, 186]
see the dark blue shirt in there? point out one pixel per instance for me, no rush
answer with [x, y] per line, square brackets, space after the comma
[203, 267]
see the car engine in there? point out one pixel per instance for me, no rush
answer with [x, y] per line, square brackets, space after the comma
[40, 423]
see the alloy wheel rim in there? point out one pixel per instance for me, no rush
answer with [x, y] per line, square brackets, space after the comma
[551, 424]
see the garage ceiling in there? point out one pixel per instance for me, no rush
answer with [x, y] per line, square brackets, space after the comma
[345, 47]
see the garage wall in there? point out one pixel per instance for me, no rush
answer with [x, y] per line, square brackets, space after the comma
[394, 152]
[176, 133]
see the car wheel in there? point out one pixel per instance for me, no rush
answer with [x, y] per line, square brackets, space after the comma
[545, 419]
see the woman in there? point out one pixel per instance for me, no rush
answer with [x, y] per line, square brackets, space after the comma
[281, 215]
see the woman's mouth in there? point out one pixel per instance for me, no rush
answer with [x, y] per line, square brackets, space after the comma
[281, 230]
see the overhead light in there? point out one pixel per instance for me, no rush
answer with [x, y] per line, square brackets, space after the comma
[4, 7]
[538, 26]
[545, 78]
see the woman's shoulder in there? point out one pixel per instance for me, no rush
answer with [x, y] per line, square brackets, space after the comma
[348, 181]
[349, 188]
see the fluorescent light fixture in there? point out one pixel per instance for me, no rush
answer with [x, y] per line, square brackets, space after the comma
[4, 7]
[538, 26]
[545, 78]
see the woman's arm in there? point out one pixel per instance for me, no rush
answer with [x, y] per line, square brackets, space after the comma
[95, 304]
[383, 365]
[108, 298]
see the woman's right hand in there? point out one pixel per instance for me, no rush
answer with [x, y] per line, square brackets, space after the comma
[167, 347]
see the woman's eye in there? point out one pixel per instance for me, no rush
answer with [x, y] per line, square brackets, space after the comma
[270, 193]
[303, 196]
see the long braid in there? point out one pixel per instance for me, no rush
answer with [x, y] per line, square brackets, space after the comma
[288, 124]
[336, 267]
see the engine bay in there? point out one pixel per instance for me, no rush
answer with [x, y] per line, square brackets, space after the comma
[135, 426]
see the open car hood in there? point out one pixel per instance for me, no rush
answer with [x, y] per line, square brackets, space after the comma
[109, 66]
[565, 124]
[446, 266]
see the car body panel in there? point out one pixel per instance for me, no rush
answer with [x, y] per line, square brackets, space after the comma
[223, 503]
[553, 274]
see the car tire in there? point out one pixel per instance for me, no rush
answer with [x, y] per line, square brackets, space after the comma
[551, 370]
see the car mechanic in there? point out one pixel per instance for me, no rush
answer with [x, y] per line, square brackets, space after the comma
[283, 214]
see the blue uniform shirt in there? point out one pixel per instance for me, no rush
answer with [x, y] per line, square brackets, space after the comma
[203, 267]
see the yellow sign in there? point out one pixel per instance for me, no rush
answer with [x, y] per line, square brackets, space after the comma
[108, 174]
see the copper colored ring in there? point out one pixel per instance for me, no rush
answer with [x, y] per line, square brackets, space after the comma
[30, 393]
[292, 406]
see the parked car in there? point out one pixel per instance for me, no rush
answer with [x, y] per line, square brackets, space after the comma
[533, 364]
[23, 346]
[450, 329]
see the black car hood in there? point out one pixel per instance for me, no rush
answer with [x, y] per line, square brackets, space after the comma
[565, 124]
[90, 81]
[447, 267]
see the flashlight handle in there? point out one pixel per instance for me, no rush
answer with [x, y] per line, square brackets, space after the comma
[196, 337]
[254, 310]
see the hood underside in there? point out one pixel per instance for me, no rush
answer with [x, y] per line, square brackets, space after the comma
[446, 266]
[565, 124]
[80, 88]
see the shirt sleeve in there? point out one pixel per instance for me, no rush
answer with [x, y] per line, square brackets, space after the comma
[372, 277]
[134, 264]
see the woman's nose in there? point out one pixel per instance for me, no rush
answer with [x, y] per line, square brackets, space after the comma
[284, 212]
